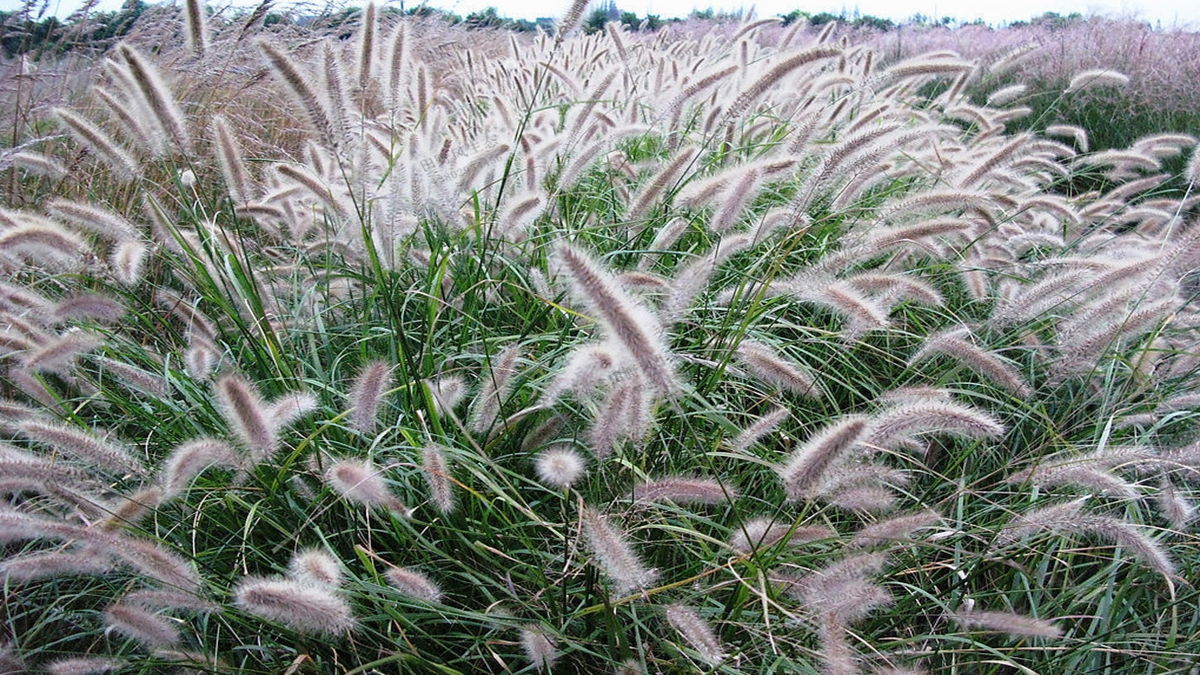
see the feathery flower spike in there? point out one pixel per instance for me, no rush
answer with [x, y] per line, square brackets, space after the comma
[629, 323]
[613, 554]
[696, 632]
[307, 608]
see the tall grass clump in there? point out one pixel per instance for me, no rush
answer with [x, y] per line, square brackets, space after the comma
[587, 353]
[1100, 83]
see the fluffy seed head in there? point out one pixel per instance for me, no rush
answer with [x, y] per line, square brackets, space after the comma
[560, 466]
[366, 47]
[360, 482]
[771, 368]
[1178, 510]
[624, 415]
[81, 445]
[894, 529]
[437, 477]
[1061, 517]
[16, 526]
[88, 306]
[806, 465]
[136, 378]
[306, 608]
[229, 157]
[1097, 78]
[43, 243]
[91, 665]
[196, 24]
[93, 219]
[150, 559]
[765, 532]
[1007, 622]
[413, 583]
[167, 114]
[117, 158]
[290, 407]
[152, 630]
[629, 323]
[696, 632]
[758, 429]
[1070, 518]
[153, 599]
[365, 396]
[314, 105]
[37, 164]
[58, 355]
[589, 364]
[447, 391]
[613, 554]
[631, 667]
[496, 382]
[777, 72]
[904, 421]
[955, 344]
[538, 646]
[128, 258]
[247, 414]
[315, 567]
[30, 567]
[200, 359]
[129, 509]
[570, 20]
[683, 490]
[1006, 95]
[843, 592]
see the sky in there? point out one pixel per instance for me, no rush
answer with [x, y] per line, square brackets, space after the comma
[1168, 14]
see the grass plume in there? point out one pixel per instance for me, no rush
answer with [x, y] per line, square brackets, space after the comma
[305, 608]
[613, 554]
[630, 324]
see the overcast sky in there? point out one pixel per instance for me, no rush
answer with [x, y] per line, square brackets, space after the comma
[1167, 13]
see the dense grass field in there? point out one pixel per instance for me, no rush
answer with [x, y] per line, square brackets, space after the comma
[725, 348]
